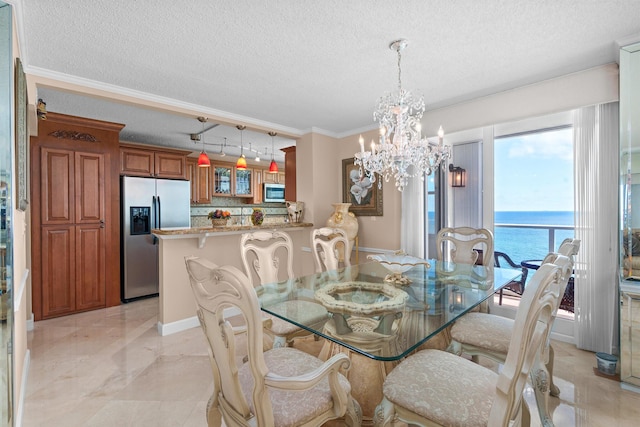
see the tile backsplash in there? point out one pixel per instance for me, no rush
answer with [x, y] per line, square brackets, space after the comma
[240, 213]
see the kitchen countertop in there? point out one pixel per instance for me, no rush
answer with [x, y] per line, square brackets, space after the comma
[201, 233]
[272, 226]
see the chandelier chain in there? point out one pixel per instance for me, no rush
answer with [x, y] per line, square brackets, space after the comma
[399, 69]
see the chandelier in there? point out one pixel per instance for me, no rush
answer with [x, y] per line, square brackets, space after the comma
[402, 151]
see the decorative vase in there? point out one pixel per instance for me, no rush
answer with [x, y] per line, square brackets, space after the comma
[342, 218]
[295, 211]
[219, 222]
[257, 216]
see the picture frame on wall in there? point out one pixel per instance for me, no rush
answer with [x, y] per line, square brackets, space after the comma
[22, 184]
[365, 196]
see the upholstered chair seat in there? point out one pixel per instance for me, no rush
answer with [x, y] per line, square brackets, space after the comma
[292, 408]
[436, 388]
[435, 393]
[489, 332]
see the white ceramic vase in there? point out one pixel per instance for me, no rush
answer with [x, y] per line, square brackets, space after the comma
[342, 218]
[295, 211]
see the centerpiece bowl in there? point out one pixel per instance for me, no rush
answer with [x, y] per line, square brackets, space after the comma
[398, 264]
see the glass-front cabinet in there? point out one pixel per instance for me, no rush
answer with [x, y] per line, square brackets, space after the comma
[232, 182]
[630, 215]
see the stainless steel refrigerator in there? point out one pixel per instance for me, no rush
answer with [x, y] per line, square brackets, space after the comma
[148, 203]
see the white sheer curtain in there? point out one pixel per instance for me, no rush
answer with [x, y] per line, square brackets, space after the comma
[596, 205]
[412, 226]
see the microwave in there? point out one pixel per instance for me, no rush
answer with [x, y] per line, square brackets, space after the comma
[273, 193]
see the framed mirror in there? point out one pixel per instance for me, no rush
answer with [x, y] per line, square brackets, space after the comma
[7, 146]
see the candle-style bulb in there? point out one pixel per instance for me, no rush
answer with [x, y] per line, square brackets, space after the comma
[441, 133]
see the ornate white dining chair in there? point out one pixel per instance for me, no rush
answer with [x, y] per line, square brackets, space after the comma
[434, 387]
[279, 387]
[464, 245]
[326, 243]
[267, 257]
[489, 335]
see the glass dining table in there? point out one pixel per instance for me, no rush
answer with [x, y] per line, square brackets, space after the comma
[377, 316]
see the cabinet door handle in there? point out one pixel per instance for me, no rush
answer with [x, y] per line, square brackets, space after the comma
[102, 223]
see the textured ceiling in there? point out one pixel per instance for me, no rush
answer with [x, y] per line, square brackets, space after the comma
[293, 66]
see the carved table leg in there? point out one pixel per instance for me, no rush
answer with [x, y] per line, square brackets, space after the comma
[540, 382]
[553, 389]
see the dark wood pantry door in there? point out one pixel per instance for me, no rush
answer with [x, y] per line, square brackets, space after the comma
[73, 255]
[75, 220]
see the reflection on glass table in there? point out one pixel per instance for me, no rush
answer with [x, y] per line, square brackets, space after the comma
[376, 322]
[438, 293]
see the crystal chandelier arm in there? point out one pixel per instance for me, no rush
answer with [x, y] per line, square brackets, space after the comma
[402, 151]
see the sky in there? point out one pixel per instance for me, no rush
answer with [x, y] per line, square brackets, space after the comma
[534, 172]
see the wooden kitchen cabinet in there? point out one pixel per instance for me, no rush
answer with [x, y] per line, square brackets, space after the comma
[231, 182]
[75, 220]
[159, 163]
[201, 181]
[257, 186]
[273, 178]
[290, 173]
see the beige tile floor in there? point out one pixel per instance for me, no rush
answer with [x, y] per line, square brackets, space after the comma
[111, 368]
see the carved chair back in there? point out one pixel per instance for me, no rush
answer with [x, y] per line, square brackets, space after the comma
[326, 243]
[267, 256]
[533, 319]
[463, 245]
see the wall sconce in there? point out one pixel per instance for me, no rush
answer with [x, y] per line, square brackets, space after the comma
[457, 299]
[41, 109]
[458, 176]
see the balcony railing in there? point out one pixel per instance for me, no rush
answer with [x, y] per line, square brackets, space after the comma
[533, 241]
[551, 233]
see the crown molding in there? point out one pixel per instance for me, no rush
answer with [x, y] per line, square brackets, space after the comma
[145, 99]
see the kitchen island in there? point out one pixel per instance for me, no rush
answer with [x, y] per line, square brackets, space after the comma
[221, 245]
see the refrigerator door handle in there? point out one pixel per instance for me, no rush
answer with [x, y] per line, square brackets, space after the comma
[159, 213]
[155, 218]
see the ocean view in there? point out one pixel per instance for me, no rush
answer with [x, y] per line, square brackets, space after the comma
[526, 243]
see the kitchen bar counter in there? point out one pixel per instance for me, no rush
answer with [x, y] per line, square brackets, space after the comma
[177, 308]
[202, 233]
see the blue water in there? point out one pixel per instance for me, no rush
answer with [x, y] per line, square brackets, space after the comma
[522, 243]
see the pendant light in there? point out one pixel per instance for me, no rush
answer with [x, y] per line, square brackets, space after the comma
[241, 163]
[257, 158]
[203, 159]
[273, 167]
[222, 147]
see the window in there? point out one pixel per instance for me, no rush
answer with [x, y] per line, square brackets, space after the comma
[533, 184]
[533, 190]
[434, 209]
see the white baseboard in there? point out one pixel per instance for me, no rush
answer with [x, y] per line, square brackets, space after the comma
[165, 329]
[30, 323]
[23, 389]
[630, 387]
[563, 338]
